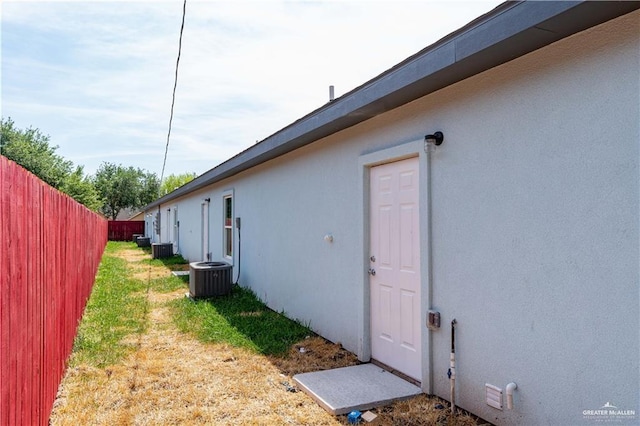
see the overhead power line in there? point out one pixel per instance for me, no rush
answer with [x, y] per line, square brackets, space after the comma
[173, 99]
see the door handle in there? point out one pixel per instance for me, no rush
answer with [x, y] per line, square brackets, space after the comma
[372, 271]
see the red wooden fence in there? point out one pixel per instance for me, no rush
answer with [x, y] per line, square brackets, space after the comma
[123, 230]
[50, 250]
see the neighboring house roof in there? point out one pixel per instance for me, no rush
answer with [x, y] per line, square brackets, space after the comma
[511, 30]
[137, 216]
[129, 213]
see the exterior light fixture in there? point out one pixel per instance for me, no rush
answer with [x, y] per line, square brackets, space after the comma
[435, 138]
[432, 141]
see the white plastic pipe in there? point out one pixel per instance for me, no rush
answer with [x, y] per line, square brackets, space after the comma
[452, 381]
[510, 388]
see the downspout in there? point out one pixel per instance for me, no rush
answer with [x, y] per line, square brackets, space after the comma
[431, 142]
[429, 260]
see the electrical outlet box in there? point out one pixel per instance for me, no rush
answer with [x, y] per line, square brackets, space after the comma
[433, 320]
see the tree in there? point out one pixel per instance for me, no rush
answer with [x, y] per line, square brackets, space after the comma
[150, 188]
[81, 189]
[173, 182]
[124, 187]
[30, 149]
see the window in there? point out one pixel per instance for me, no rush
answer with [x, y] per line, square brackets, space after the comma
[228, 225]
[156, 223]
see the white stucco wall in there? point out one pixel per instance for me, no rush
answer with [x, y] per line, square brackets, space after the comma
[535, 229]
[534, 218]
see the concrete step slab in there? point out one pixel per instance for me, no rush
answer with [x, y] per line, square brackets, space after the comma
[359, 387]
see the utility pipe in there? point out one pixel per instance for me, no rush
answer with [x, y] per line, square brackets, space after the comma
[428, 257]
[510, 388]
[452, 366]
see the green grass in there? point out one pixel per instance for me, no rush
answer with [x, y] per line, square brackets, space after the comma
[116, 308]
[167, 261]
[169, 283]
[239, 319]
[118, 305]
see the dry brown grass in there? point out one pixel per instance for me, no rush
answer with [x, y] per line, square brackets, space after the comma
[139, 270]
[421, 411]
[317, 354]
[131, 255]
[173, 379]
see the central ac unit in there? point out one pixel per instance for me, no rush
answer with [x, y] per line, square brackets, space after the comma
[208, 279]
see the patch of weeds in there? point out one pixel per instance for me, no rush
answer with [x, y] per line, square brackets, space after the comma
[166, 261]
[169, 283]
[115, 309]
[239, 319]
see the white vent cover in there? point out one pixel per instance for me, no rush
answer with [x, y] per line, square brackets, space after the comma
[494, 396]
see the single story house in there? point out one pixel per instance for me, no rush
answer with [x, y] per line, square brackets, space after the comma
[520, 220]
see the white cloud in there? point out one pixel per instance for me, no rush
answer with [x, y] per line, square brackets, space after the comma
[98, 76]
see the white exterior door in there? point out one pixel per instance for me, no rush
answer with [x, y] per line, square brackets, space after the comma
[206, 256]
[168, 229]
[395, 266]
[176, 231]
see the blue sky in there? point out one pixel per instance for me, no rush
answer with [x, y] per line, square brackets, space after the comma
[97, 76]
